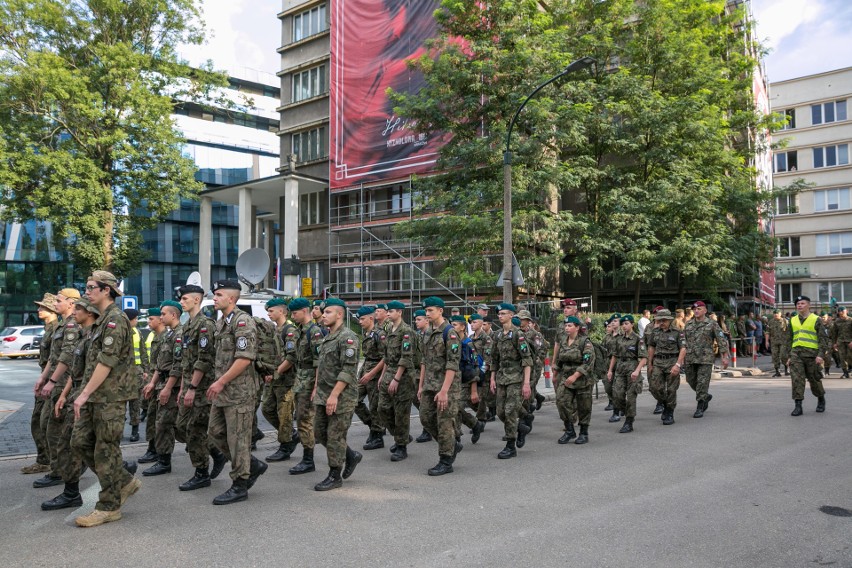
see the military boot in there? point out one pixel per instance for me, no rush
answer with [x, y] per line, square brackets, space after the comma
[569, 434]
[797, 410]
[375, 441]
[668, 417]
[281, 454]
[777, 373]
[130, 466]
[393, 448]
[69, 498]
[509, 451]
[659, 408]
[424, 437]
[539, 400]
[608, 406]
[197, 481]
[707, 402]
[238, 492]
[616, 415]
[219, 461]
[151, 455]
[332, 481]
[256, 437]
[163, 466]
[583, 438]
[256, 469]
[699, 409]
[786, 371]
[400, 454]
[476, 432]
[47, 481]
[845, 374]
[134, 433]
[353, 458]
[628, 425]
[443, 467]
[457, 447]
[307, 463]
[820, 404]
[523, 430]
[143, 415]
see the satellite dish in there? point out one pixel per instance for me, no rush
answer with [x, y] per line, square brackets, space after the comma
[252, 267]
[194, 280]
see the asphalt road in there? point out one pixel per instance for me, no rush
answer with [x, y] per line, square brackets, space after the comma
[743, 486]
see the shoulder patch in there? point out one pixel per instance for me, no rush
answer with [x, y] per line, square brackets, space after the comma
[178, 339]
[111, 325]
[70, 325]
[241, 324]
[350, 342]
[203, 330]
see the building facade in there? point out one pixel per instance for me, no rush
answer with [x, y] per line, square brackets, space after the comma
[814, 226]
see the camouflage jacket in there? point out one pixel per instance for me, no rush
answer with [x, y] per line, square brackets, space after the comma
[511, 353]
[112, 346]
[81, 349]
[198, 355]
[578, 357]
[778, 331]
[268, 355]
[440, 357]
[842, 330]
[46, 340]
[169, 359]
[700, 336]
[307, 356]
[666, 344]
[629, 349]
[399, 347]
[154, 351]
[236, 338]
[538, 346]
[484, 344]
[338, 362]
[371, 349]
[288, 340]
[62, 346]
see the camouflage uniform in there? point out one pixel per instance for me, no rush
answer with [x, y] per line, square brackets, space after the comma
[483, 344]
[38, 433]
[579, 356]
[700, 336]
[608, 345]
[229, 428]
[198, 355]
[69, 464]
[169, 364]
[134, 406]
[803, 365]
[439, 357]
[399, 348]
[666, 345]
[539, 348]
[338, 362]
[510, 355]
[629, 349]
[279, 402]
[466, 418]
[62, 346]
[266, 365]
[371, 349]
[828, 329]
[97, 433]
[841, 335]
[153, 403]
[779, 341]
[308, 344]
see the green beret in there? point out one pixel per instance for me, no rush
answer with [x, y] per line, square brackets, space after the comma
[628, 317]
[365, 311]
[575, 320]
[276, 302]
[420, 313]
[317, 303]
[335, 302]
[459, 319]
[396, 305]
[154, 312]
[382, 307]
[172, 304]
[516, 322]
[839, 309]
[474, 317]
[615, 316]
[823, 314]
[507, 307]
[298, 304]
[433, 302]
[777, 311]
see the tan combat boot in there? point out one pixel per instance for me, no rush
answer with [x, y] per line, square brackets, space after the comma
[35, 468]
[130, 488]
[97, 517]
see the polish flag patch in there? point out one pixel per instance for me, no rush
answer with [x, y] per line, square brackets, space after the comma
[241, 324]
[111, 325]
[349, 341]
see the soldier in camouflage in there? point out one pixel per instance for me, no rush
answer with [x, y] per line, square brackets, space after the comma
[810, 347]
[279, 404]
[483, 344]
[469, 393]
[108, 383]
[307, 359]
[511, 366]
[701, 333]
[197, 374]
[778, 333]
[140, 363]
[233, 392]
[421, 326]
[666, 356]
[540, 350]
[265, 365]
[625, 371]
[336, 394]
[158, 330]
[574, 380]
[368, 376]
[613, 330]
[397, 384]
[841, 339]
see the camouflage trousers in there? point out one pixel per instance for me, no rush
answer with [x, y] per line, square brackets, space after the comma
[780, 354]
[331, 431]
[59, 430]
[574, 403]
[259, 396]
[38, 434]
[191, 429]
[804, 369]
[395, 411]
[441, 424]
[134, 405]
[845, 354]
[535, 377]
[565, 402]
[52, 428]
[278, 407]
[305, 411]
[698, 378]
[151, 418]
[607, 384]
[662, 384]
[510, 408]
[230, 430]
[164, 439]
[466, 418]
[96, 441]
[487, 399]
[624, 393]
[369, 415]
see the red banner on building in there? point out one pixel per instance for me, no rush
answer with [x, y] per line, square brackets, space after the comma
[371, 41]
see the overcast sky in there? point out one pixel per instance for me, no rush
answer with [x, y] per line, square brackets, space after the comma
[805, 36]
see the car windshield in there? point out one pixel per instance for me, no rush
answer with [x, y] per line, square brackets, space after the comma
[7, 331]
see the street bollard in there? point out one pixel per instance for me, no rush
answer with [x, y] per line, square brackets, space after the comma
[547, 373]
[753, 353]
[734, 354]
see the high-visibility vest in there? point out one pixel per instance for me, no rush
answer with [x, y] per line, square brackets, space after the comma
[149, 340]
[804, 333]
[137, 339]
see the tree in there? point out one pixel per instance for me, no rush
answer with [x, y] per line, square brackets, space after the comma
[87, 142]
[646, 154]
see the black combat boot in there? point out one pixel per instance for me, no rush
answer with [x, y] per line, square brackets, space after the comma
[786, 371]
[707, 402]
[134, 433]
[393, 448]
[659, 408]
[699, 409]
[399, 454]
[143, 415]
[476, 432]
[608, 406]
[668, 417]
[569, 434]
[820, 404]
[197, 481]
[219, 461]
[583, 438]
[457, 447]
[130, 466]
[151, 455]
[307, 463]
[845, 374]
[777, 373]
[256, 437]
[492, 410]
[47, 481]
[616, 415]
[539, 400]
[797, 411]
[238, 492]
[628, 425]
[509, 451]
[528, 419]
[375, 441]
[332, 481]
[523, 430]
[444, 466]
[424, 437]
[163, 466]
[353, 458]
[256, 469]
[69, 498]
[281, 454]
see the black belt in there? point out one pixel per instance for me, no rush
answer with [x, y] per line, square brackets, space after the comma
[372, 360]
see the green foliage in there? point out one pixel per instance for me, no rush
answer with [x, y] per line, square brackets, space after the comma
[87, 88]
[639, 168]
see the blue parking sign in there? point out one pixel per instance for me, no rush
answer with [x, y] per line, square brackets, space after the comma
[129, 303]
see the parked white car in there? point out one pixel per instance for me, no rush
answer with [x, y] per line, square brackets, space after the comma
[20, 341]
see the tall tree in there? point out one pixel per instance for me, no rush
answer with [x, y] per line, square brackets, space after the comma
[87, 142]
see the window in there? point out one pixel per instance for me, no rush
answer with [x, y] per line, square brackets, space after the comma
[789, 246]
[840, 291]
[787, 292]
[309, 22]
[835, 243]
[348, 280]
[828, 156]
[833, 111]
[310, 145]
[832, 199]
[400, 199]
[790, 115]
[407, 276]
[313, 208]
[785, 162]
[309, 83]
[786, 204]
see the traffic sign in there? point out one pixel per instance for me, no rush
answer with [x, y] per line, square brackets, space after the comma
[129, 303]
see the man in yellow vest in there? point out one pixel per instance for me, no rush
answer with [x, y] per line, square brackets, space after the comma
[811, 345]
[140, 363]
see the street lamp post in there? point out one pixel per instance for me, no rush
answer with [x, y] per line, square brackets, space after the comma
[577, 65]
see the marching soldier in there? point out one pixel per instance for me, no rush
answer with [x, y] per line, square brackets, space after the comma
[421, 325]
[368, 377]
[625, 371]
[278, 406]
[574, 380]
[810, 347]
[666, 354]
[307, 359]
[397, 385]
[701, 332]
[47, 314]
[469, 392]
[140, 360]
[155, 340]
[778, 332]
[841, 338]
[483, 344]
[613, 330]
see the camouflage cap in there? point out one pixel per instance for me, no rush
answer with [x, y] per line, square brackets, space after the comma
[482, 307]
[48, 302]
[85, 304]
[525, 315]
[106, 278]
[70, 293]
[663, 314]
